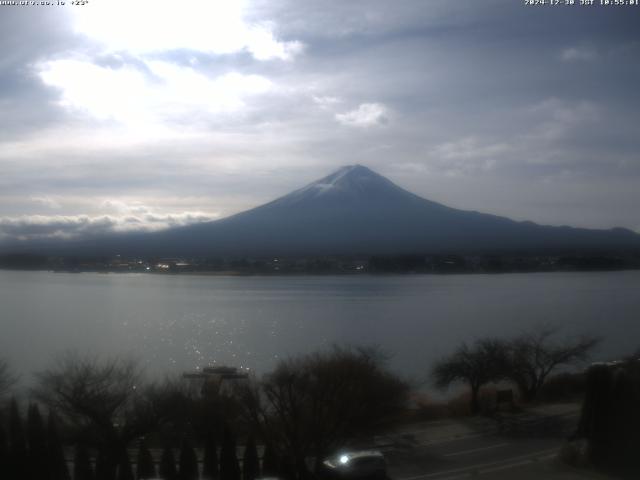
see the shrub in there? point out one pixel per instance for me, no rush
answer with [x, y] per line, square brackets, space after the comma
[459, 406]
[82, 464]
[250, 462]
[563, 387]
[124, 467]
[57, 464]
[188, 462]
[37, 439]
[429, 409]
[146, 467]
[105, 466]
[229, 468]
[18, 456]
[210, 467]
[168, 469]
[269, 462]
[4, 451]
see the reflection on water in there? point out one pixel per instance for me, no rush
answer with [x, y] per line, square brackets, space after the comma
[181, 322]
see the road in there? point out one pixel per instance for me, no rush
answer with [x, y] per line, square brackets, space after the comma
[415, 456]
[465, 456]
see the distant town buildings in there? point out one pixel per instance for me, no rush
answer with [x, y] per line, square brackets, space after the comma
[338, 264]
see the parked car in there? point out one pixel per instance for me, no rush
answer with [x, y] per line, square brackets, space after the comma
[363, 464]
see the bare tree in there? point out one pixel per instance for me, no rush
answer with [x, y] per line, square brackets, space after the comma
[534, 355]
[181, 409]
[312, 404]
[88, 390]
[7, 379]
[170, 404]
[96, 395]
[475, 365]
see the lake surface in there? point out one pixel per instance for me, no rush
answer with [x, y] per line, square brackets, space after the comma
[178, 322]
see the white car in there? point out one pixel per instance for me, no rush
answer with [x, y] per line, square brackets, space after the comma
[357, 464]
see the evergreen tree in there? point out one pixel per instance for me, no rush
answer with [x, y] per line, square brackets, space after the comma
[188, 462]
[286, 470]
[18, 455]
[105, 466]
[168, 465]
[250, 461]
[269, 462]
[146, 467]
[57, 464]
[4, 451]
[124, 466]
[229, 468]
[82, 464]
[37, 439]
[210, 468]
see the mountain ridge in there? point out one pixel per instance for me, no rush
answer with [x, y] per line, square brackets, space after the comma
[351, 211]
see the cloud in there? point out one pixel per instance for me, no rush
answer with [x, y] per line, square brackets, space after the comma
[366, 115]
[556, 118]
[326, 102]
[46, 202]
[38, 227]
[469, 148]
[578, 54]
[131, 96]
[150, 26]
[468, 155]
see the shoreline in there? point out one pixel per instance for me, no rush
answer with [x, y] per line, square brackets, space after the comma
[239, 273]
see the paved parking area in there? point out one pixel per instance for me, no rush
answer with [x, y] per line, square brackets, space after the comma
[518, 446]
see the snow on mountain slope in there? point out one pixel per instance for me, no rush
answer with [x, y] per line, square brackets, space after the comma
[350, 184]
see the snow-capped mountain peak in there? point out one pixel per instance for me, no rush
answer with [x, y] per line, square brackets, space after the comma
[347, 184]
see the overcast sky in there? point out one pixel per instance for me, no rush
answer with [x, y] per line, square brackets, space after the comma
[142, 114]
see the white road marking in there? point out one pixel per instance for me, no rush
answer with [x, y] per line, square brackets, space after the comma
[473, 450]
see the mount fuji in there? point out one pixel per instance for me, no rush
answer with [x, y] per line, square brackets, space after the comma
[355, 211]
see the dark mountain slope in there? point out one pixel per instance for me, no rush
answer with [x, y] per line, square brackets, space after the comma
[356, 211]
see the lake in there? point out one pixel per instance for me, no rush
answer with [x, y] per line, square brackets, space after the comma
[178, 322]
